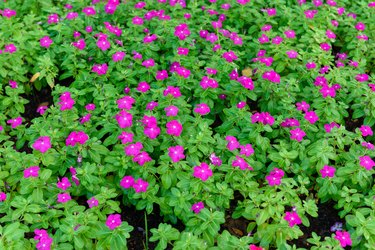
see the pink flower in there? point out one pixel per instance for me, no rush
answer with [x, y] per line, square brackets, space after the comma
[232, 143]
[71, 15]
[176, 153]
[13, 84]
[142, 158]
[174, 91]
[202, 171]
[54, 18]
[246, 82]
[64, 197]
[310, 13]
[368, 145]
[124, 119]
[100, 69]
[215, 160]
[66, 103]
[90, 107]
[263, 39]
[271, 76]
[92, 202]
[171, 111]
[292, 218]
[118, 56]
[330, 34]
[290, 122]
[290, 34]
[254, 247]
[152, 132]
[310, 65]
[133, 149]
[274, 178]
[328, 127]
[174, 128]
[360, 26]
[202, 109]
[80, 44]
[366, 162]
[197, 207]
[10, 48]
[8, 13]
[241, 163]
[311, 117]
[343, 238]
[181, 71]
[325, 46]
[246, 150]
[303, 106]
[3, 196]
[103, 44]
[32, 171]
[64, 183]
[182, 51]
[125, 103]
[362, 77]
[366, 130]
[76, 137]
[277, 40]
[127, 182]
[182, 31]
[148, 63]
[140, 186]
[327, 171]
[42, 144]
[89, 11]
[161, 75]
[113, 221]
[126, 137]
[45, 41]
[143, 87]
[230, 56]
[137, 20]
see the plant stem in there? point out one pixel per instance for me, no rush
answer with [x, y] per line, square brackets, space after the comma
[146, 230]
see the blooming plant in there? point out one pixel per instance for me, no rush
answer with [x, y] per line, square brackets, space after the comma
[207, 111]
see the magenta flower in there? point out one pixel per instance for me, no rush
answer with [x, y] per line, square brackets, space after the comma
[126, 137]
[54, 18]
[152, 132]
[241, 163]
[263, 39]
[133, 149]
[292, 218]
[89, 11]
[76, 137]
[360, 26]
[103, 44]
[328, 171]
[148, 63]
[366, 162]
[3, 196]
[182, 31]
[171, 111]
[310, 14]
[42, 144]
[311, 117]
[15, 122]
[368, 145]
[161, 75]
[343, 238]
[202, 109]
[271, 76]
[125, 103]
[290, 34]
[32, 171]
[246, 150]
[80, 44]
[290, 122]
[127, 182]
[137, 20]
[174, 128]
[202, 171]
[10, 48]
[230, 56]
[92, 202]
[274, 178]
[124, 119]
[100, 69]
[113, 221]
[71, 15]
[328, 127]
[184, 72]
[176, 153]
[303, 106]
[13, 84]
[325, 46]
[182, 51]
[45, 41]
[64, 183]
[297, 134]
[142, 158]
[362, 77]
[232, 143]
[197, 207]
[366, 130]
[8, 13]
[174, 91]
[64, 197]
[118, 56]
[310, 65]
[140, 186]
[215, 160]
[90, 107]
[143, 87]
[246, 82]
[330, 34]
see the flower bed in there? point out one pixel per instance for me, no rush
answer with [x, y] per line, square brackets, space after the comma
[218, 115]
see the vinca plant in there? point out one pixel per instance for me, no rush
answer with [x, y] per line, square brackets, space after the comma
[200, 113]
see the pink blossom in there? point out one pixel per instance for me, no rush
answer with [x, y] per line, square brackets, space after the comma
[171, 111]
[197, 207]
[271, 76]
[290, 122]
[151, 105]
[92, 202]
[90, 107]
[182, 51]
[368, 145]
[328, 127]
[266, 27]
[45, 41]
[15, 122]
[143, 87]
[202, 109]
[303, 106]
[335, 23]
[344, 238]
[42, 144]
[64, 183]
[100, 69]
[137, 20]
[76, 137]
[182, 31]
[297, 134]
[133, 149]
[8, 13]
[13, 84]
[328, 171]
[124, 119]
[126, 137]
[113, 221]
[140, 186]
[362, 77]
[142, 158]
[241, 105]
[215, 160]
[103, 44]
[290, 34]
[152, 132]
[148, 63]
[274, 178]
[366, 162]
[330, 34]
[32, 171]
[3, 196]
[89, 11]
[174, 128]
[328, 91]
[277, 40]
[233, 75]
[10, 48]
[310, 14]
[241, 163]
[80, 44]
[292, 218]
[325, 46]
[125, 102]
[71, 15]
[161, 75]
[360, 26]
[311, 117]
[176, 153]
[246, 150]
[366, 130]
[310, 65]
[202, 171]
[127, 182]
[232, 143]
[230, 56]
[118, 56]
[263, 39]
[64, 197]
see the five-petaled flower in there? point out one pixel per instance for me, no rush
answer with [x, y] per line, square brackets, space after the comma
[328, 171]
[113, 221]
[344, 238]
[92, 202]
[32, 171]
[202, 171]
[64, 197]
[42, 144]
[292, 218]
[197, 207]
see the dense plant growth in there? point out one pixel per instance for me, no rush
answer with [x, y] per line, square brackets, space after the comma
[202, 110]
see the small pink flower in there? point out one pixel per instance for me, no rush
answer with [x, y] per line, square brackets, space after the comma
[202, 171]
[64, 183]
[174, 128]
[232, 143]
[311, 117]
[197, 207]
[126, 137]
[171, 111]
[10, 48]
[3, 196]
[125, 102]
[8, 13]
[76, 137]
[176, 153]
[89, 11]
[15, 122]
[310, 65]
[271, 76]
[202, 109]
[303, 106]
[64, 197]
[328, 171]
[360, 26]
[113, 221]
[161, 75]
[103, 44]
[143, 87]
[148, 63]
[368, 145]
[118, 56]
[292, 218]
[13, 84]
[343, 238]
[366, 130]
[325, 46]
[133, 149]
[241, 163]
[90, 107]
[92, 202]
[290, 34]
[362, 77]
[100, 69]
[71, 15]
[366, 162]
[127, 182]
[215, 160]
[124, 119]
[330, 34]
[137, 20]
[140, 186]
[45, 41]
[182, 51]
[42, 144]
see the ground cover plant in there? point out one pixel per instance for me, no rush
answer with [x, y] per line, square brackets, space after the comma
[214, 124]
